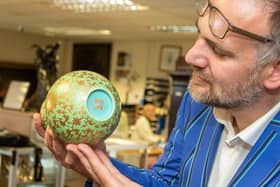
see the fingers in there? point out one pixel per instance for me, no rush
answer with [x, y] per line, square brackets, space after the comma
[56, 146]
[106, 161]
[90, 158]
[48, 140]
[70, 158]
[73, 162]
[111, 168]
[93, 163]
[86, 166]
[101, 146]
[102, 166]
[38, 124]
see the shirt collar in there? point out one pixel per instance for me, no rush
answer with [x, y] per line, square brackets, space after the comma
[250, 134]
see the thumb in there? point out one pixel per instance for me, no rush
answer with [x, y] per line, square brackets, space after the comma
[38, 124]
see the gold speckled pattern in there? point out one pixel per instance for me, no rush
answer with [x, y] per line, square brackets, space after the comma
[65, 108]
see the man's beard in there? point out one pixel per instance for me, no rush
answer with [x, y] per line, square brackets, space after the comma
[240, 93]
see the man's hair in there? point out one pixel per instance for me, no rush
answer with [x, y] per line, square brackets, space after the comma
[271, 52]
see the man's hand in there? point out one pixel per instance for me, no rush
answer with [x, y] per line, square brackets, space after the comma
[90, 162]
[58, 148]
[100, 168]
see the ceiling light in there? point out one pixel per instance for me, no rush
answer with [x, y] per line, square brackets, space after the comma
[98, 5]
[174, 28]
[70, 31]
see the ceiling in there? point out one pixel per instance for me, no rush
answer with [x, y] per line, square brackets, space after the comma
[33, 16]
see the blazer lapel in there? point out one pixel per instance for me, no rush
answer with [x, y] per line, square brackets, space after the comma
[262, 164]
[204, 152]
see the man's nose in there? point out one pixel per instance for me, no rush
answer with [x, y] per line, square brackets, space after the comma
[197, 55]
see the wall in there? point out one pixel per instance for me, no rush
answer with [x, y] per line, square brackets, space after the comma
[145, 58]
[16, 47]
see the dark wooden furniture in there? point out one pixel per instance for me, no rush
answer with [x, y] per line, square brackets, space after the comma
[179, 85]
[92, 56]
[17, 71]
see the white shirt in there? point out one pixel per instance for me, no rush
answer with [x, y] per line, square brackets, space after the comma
[143, 132]
[233, 148]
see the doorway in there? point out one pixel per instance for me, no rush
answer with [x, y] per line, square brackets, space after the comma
[92, 56]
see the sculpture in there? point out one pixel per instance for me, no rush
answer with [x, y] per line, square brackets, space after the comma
[46, 62]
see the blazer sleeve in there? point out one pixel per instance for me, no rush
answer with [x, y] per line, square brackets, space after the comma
[166, 171]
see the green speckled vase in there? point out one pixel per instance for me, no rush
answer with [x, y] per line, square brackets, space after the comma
[81, 107]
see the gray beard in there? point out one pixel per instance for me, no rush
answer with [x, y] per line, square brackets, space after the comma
[242, 94]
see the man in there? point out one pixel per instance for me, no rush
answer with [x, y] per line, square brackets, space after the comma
[227, 130]
[142, 129]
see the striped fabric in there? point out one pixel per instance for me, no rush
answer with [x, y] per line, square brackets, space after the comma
[189, 154]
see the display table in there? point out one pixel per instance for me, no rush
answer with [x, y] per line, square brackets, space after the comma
[127, 150]
[14, 154]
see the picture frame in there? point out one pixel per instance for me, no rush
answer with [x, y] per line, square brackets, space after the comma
[16, 94]
[168, 57]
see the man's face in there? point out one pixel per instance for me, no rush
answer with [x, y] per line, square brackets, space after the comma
[150, 111]
[225, 72]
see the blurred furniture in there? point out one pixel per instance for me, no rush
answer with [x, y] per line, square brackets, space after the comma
[17, 71]
[14, 154]
[16, 121]
[92, 56]
[156, 91]
[131, 112]
[122, 130]
[128, 151]
[22, 123]
[154, 152]
[179, 84]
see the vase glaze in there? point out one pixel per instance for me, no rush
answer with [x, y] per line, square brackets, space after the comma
[81, 107]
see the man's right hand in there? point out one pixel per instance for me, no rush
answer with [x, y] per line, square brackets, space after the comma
[62, 152]
[91, 162]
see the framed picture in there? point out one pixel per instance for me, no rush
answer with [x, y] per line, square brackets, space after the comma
[182, 65]
[16, 94]
[168, 57]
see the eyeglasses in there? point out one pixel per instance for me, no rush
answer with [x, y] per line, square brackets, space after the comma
[219, 24]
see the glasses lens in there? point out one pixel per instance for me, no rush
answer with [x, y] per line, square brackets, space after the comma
[217, 23]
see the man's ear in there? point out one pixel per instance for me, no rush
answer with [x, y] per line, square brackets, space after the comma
[272, 81]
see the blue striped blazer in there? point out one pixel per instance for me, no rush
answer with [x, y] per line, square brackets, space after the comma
[189, 154]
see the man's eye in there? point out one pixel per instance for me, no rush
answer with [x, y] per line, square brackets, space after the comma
[219, 52]
[222, 53]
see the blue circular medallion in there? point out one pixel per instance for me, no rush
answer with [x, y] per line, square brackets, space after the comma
[100, 104]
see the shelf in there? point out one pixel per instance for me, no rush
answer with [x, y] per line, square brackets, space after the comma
[156, 91]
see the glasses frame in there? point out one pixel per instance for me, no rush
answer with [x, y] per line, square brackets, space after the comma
[231, 27]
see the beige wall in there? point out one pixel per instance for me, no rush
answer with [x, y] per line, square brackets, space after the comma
[16, 47]
[145, 57]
